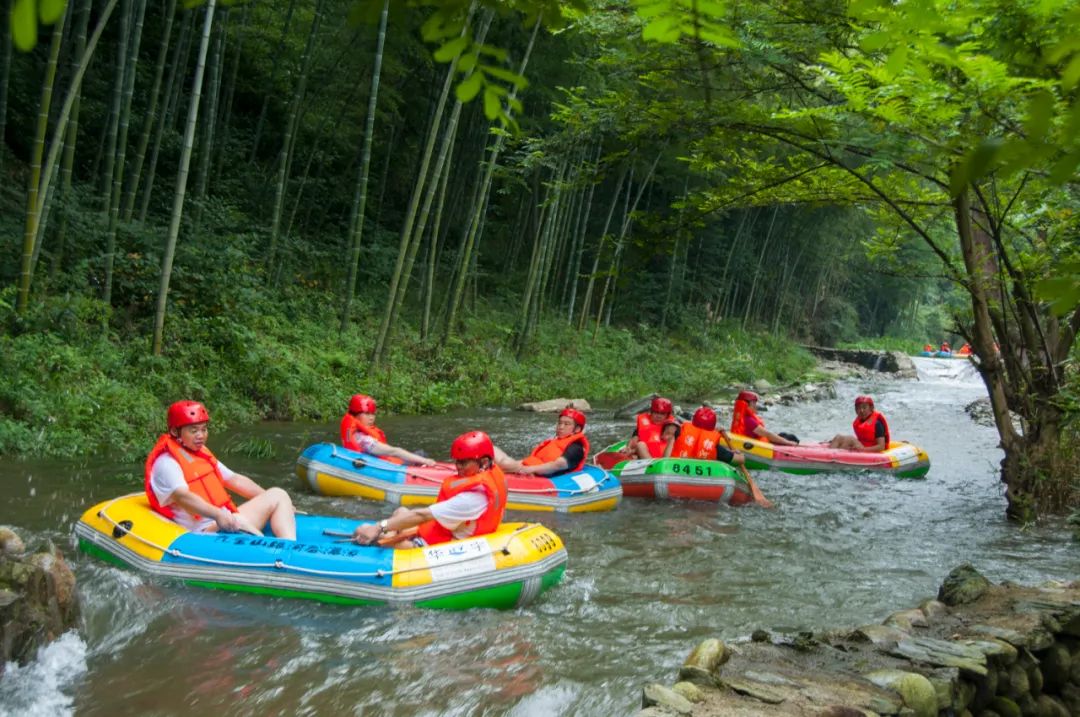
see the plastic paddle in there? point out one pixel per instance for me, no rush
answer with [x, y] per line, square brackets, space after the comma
[381, 542]
[755, 492]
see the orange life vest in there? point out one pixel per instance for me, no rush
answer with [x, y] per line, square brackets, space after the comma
[350, 423]
[927, 347]
[649, 434]
[553, 448]
[494, 484]
[738, 420]
[694, 442]
[864, 430]
[200, 471]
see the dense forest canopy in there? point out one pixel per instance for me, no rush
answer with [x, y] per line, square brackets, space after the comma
[816, 169]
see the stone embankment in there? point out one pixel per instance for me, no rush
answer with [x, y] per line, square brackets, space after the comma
[894, 362]
[38, 602]
[978, 650]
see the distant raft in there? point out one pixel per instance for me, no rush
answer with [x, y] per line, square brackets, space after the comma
[688, 478]
[333, 470]
[505, 569]
[900, 459]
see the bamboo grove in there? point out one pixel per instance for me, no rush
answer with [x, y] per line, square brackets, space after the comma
[330, 134]
[798, 167]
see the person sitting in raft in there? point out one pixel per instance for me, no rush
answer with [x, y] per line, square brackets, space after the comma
[927, 348]
[471, 504]
[647, 442]
[565, 453]
[359, 433]
[945, 348]
[871, 430]
[965, 350]
[700, 440]
[745, 422]
[188, 485]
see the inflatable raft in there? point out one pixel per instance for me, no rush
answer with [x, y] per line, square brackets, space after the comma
[333, 470]
[676, 478]
[505, 569]
[901, 459]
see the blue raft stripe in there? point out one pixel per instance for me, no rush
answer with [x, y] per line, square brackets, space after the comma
[564, 485]
[312, 550]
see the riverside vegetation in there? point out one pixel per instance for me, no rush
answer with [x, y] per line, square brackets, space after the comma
[648, 169]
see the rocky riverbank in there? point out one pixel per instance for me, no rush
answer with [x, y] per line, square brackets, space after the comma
[38, 602]
[977, 650]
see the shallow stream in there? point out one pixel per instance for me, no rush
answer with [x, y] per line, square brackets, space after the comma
[644, 584]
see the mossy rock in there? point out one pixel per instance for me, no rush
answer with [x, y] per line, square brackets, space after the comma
[1005, 707]
[963, 585]
[915, 690]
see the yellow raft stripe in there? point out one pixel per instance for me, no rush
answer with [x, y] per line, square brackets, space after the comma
[150, 526]
[534, 543]
[595, 506]
[327, 484]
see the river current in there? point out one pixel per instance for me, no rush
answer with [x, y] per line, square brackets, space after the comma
[645, 582]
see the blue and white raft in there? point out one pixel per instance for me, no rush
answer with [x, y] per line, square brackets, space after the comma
[505, 569]
[330, 469]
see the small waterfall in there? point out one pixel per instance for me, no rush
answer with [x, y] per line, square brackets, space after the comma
[878, 361]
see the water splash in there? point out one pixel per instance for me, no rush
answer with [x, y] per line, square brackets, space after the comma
[41, 688]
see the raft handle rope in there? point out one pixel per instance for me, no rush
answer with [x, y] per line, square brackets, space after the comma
[358, 462]
[280, 564]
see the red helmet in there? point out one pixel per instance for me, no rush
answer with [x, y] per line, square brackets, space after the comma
[472, 445]
[859, 400]
[705, 418]
[361, 404]
[578, 416]
[747, 396]
[185, 413]
[660, 405]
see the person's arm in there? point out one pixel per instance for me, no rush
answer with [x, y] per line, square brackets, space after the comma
[227, 521]
[762, 432]
[379, 448]
[400, 520]
[241, 484]
[544, 469]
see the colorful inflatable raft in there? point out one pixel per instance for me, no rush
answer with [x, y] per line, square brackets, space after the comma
[676, 478]
[901, 459]
[333, 470]
[505, 569]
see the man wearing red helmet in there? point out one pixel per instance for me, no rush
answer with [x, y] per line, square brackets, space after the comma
[648, 440]
[471, 504]
[699, 439]
[359, 433]
[187, 484]
[566, 452]
[746, 422]
[871, 430]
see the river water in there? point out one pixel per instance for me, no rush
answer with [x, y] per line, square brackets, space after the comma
[645, 582]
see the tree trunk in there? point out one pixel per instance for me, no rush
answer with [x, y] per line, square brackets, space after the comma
[433, 255]
[273, 76]
[287, 142]
[360, 200]
[34, 189]
[113, 130]
[587, 301]
[226, 115]
[757, 271]
[417, 193]
[5, 73]
[206, 151]
[35, 208]
[181, 182]
[179, 62]
[67, 164]
[124, 122]
[470, 239]
[151, 115]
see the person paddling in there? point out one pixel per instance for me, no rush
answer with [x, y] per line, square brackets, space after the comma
[469, 505]
[185, 483]
[746, 422]
[647, 440]
[699, 439]
[359, 433]
[565, 453]
[871, 430]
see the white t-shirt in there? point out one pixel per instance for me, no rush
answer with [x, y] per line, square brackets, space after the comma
[166, 476]
[459, 514]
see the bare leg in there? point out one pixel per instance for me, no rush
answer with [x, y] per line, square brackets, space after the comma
[642, 450]
[847, 443]
[275, 506]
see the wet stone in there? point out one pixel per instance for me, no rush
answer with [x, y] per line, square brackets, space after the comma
[914, 689]
[704, 662]
[690, 691]
[658, 695]
[963, 585]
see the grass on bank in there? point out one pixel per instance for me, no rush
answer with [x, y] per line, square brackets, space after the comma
[71, 390]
